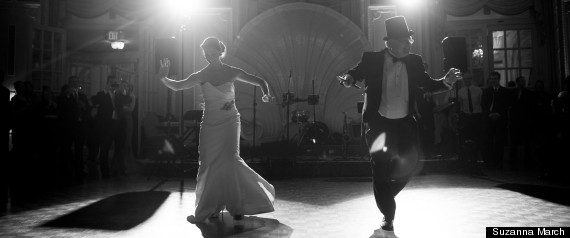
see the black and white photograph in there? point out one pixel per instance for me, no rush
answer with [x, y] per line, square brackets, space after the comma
[285, 118]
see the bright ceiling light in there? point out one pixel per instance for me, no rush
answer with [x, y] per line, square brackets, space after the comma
[117, 45]
[181, 7]
[412, 4]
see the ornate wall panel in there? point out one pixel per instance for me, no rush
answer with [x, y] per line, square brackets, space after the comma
[311, 43]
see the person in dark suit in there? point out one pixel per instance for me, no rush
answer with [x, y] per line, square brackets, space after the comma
[122, 104]
[495, 101]
[393, 79]
[470, 124]
[105, 122]
[74, 112]
[520, 123]
[6, 109]
[556, 144]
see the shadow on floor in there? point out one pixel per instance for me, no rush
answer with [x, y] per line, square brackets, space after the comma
[118, 212]
[250, 226]
[551, 194]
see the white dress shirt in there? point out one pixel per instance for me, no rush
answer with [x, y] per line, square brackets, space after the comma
[395, 95]
[476, 95]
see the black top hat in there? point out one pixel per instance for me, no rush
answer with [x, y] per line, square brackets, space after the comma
[396, 27]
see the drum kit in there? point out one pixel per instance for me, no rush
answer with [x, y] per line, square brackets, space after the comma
[300, 116]
[309, 132]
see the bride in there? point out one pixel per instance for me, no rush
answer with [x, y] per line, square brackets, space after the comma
[224, 180]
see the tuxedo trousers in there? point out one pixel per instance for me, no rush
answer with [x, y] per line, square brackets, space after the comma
[394, 165]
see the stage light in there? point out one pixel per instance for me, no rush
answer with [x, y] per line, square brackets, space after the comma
[412, 4]
[181, 7]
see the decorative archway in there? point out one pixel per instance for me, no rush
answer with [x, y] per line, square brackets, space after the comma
[311, 43]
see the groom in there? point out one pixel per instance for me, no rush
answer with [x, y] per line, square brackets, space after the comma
[393, 77]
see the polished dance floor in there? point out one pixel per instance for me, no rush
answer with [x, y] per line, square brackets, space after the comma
[432, 205]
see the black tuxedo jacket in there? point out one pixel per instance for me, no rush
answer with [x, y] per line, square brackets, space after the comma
[73, 109]
[523, 107]
[105, 106]
[371, 68]
[501, 103]
[6, 108]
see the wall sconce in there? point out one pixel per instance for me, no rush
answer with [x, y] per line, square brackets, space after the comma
[117, 39]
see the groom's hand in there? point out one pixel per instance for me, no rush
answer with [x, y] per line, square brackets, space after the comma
[347, 81]
[452, 76]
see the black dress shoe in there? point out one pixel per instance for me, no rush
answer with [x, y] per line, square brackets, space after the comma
[387, 225]
[238, 217]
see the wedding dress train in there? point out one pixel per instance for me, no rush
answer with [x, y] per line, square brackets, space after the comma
[224, 180]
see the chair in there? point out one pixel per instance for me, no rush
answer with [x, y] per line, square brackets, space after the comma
[194, 116]
[166, 150]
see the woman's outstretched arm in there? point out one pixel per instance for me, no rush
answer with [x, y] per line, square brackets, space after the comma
[186, 83]
[257, 81]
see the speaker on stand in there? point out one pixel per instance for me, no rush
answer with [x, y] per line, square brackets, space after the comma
[455, 53]
[455, 56]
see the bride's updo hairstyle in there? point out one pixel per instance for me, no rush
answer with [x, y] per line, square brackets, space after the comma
[213, 42]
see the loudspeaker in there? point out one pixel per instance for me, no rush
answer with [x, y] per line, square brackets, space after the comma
[167, 48]
[455, 53]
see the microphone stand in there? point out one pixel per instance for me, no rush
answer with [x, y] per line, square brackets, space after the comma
[288, 102]
[254, 118]
[314, 104]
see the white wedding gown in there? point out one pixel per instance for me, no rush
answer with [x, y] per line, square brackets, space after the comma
[224, 180]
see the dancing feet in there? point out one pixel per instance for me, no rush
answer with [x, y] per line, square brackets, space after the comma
[192, 219]
[387, 225]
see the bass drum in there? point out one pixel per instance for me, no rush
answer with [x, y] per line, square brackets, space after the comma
[315, 133]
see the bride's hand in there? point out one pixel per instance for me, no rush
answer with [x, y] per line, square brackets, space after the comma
[267, 98]
[164, 68]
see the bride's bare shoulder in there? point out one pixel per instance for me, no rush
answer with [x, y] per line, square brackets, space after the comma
[201, 71]
[233, 69]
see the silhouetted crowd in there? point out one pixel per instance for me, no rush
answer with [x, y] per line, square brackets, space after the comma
[509, 128]
[69, 138]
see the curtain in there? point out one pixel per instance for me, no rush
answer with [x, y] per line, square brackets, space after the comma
[428, 24]
[151, 92]
[130, 9]
[469, 7]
